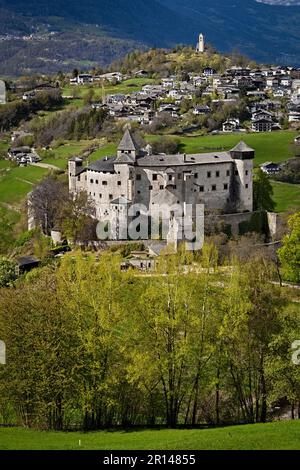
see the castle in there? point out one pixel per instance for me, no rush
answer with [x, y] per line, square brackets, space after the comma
[221, 181]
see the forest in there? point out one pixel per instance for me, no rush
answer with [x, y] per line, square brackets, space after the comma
[92, 347]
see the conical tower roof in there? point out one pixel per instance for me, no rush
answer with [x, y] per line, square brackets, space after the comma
[128, 142]
[242, 147]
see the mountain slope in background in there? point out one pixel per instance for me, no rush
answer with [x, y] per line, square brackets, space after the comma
[61, 34]
[268, 33]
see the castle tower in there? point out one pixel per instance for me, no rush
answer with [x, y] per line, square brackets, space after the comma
[243, 157]
[74, 167]
[201, 44]
[128, 149]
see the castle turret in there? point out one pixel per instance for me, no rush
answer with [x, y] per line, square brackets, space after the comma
[243, 157]
[74, 167]
[128, 149]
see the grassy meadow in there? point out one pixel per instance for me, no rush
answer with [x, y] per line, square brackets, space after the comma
[17, 182]
[286, 196]
[272, 436]
[268, 146]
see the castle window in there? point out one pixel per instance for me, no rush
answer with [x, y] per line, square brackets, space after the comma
[161, 187]
[97, 182]
[150, 187]
[78, 178]
[247, 186]
[209, 174]
[100, 196]
[228, 173]
[110, 196]
[247, 172]
[170, 177]
[138, 177]
[85, 178]
[201, 189]
[174, 187]
[214, 187]
[225, 186]
[154, 177]
[91, 181]
[179, 176]
[139, 192]
[217, 174]
[104, 183]
[236, 172]
[119, 183]
[196, 175]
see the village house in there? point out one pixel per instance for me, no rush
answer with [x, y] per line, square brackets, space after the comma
[23, 155]
[231, 125]
[270, 168]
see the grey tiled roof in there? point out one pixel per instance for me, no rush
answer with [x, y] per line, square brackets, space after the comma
[128, 142]
[180, 160]
[107, 164]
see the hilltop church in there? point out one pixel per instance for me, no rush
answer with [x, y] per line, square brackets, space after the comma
[221, 181]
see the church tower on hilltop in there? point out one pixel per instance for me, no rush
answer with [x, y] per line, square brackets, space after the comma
[201, 44]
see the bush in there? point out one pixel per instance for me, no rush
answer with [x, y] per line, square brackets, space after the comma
[168, 145]
[7, 272]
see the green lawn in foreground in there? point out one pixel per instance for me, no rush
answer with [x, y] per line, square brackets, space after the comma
[286, 196]
[269, 146]
[272, 436]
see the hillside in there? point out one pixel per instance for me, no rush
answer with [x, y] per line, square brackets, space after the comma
[261, 31]
[39, 36]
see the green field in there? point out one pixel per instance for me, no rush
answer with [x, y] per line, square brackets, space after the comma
[269, 146]
[286, 196]
[272, 436]
[16, 182]
[108, 150]
[66, 151]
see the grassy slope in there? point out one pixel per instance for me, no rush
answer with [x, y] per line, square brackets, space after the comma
[273, 436]
[286, 196]
[16, 182]
[269, 146]
[66, 151]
